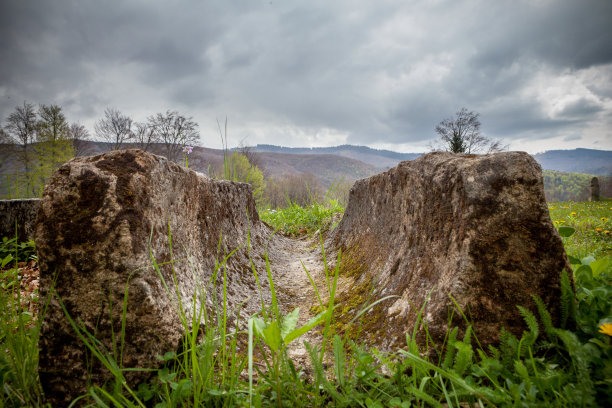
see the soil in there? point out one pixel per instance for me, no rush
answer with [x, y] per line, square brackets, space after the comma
[295, 289]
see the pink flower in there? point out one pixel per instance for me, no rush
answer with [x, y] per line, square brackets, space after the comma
[187, 149]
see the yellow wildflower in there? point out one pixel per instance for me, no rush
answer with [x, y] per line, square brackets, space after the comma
[573, 213]
[556, 221]
[606, 328]
[598, 229]
[562, 222]
[604, 219]
[606, 232]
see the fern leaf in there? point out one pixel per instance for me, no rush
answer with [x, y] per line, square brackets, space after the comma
[568, 305]
[522, 372]
[450, 349]
[545, 318]
[532, 323]
[580, 360]
[508, 345]
[467, 338]
[494, 352]
[463, 360]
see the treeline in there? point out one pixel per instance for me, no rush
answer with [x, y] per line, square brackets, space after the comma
[35, 141]
[559, 186]
[39, 141]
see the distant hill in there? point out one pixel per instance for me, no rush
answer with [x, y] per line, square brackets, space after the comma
[588, 161]
[349, 163]
[373, 157]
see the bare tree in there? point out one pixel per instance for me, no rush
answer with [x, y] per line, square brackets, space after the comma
[21, 129]
[4, 137]
[462, 134]
[80, 137]
[302, 189]
[145, 135]
[174, 131]
[114, 128]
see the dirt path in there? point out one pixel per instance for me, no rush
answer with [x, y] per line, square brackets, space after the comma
[296, 290]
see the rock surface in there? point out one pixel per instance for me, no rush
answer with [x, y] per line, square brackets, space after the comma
[99, 217]
[476, 228]
[21, 213]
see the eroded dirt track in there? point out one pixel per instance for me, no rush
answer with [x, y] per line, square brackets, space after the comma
[295, 257]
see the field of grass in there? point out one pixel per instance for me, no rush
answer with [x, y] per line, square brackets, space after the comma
[295, 220]
[592, 222]
[565, 366]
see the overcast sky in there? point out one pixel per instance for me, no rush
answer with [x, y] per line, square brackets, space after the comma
[321, 73]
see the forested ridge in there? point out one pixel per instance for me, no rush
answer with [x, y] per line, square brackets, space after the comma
[560, 186]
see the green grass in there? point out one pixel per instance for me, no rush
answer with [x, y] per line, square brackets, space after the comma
[592, 222]
[569, 365]
[295, 220]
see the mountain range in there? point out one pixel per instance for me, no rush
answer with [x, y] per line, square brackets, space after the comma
[587, 161]
[346, 162]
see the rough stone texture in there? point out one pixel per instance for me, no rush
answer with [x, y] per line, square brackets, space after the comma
[98, 218]
[20, 212]
[474, 227]
[594, 189]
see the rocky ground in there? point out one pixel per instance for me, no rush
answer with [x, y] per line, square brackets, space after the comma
[296, 290]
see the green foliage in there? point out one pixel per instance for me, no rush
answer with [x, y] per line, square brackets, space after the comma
[237, 168]
[36, 161]
[296, 220]
[19, 328]
[54, 146]
[18, 251]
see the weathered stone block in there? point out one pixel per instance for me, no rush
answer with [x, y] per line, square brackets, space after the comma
[101, 219]
[594, 189]
[474, 227]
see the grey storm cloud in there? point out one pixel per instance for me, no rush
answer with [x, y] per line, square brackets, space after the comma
[360, 72]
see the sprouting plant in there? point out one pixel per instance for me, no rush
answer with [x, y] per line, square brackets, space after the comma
[186, 151]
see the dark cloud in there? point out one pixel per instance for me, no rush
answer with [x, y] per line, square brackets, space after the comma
[319, 72]
[580, 108]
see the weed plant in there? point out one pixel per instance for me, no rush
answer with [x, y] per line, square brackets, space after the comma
[567, 365]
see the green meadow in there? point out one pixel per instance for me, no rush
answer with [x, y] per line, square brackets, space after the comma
[592, 222]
